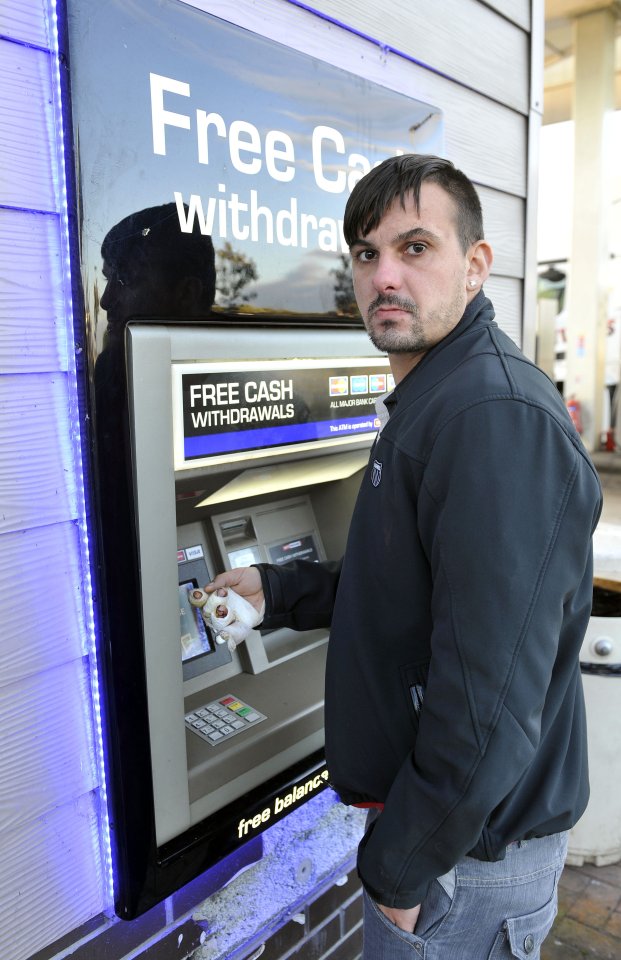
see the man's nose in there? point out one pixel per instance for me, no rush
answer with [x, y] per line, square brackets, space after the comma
[107, 297]
[387, 275]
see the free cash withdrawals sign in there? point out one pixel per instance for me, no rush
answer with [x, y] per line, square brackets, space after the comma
[237, 409]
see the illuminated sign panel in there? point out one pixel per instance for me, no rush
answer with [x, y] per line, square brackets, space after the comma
[228, 411]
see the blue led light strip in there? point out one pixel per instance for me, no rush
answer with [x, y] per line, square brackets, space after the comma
[90, 639]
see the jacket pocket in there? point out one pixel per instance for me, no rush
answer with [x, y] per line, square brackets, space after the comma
[414, 679]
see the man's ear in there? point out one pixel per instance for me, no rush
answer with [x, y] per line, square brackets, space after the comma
[480, 258]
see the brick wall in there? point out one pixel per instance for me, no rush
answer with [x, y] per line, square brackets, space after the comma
[329, 927]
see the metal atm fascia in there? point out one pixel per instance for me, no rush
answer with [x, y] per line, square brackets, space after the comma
[186, 794]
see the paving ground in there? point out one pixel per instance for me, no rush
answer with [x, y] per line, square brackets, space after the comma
[588, 924]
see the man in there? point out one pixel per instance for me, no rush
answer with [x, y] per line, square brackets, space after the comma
[153, 269]
[453, 697]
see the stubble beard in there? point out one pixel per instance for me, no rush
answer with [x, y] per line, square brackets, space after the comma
[420, 334]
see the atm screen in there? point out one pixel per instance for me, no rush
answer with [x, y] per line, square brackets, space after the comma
[302, 548]
[192, 631]
[244, 557]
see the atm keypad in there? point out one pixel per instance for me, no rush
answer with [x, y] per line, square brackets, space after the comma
[222, 719]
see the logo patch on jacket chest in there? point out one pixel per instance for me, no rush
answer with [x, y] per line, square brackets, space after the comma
[376, 474]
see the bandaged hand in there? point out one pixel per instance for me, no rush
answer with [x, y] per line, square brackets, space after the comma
[229, 616]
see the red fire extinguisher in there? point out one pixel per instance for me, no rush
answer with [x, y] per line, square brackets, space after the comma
[573, 407]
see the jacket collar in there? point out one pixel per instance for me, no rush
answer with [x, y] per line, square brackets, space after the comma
[479, 312]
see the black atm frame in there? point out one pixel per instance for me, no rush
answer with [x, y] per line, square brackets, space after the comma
[147, 871]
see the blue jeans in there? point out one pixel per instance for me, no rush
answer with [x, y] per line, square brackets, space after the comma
[478, 911]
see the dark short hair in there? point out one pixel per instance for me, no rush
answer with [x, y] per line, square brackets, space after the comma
[154, 236]
[397, 177]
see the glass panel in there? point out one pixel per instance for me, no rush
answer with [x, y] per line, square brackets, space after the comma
[187, 123]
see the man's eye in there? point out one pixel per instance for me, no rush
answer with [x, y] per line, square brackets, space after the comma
[365, 256]
[415, 249]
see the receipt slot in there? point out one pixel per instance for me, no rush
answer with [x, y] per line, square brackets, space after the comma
[246, 443]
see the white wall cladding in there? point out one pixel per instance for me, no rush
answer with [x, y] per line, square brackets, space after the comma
[516, 10]
[24, 20]
[50, 869]
[35, 454]
[45, 882]
[27, 138]
[46, 748]
[33, 332]
[444, 36]
[56, 594]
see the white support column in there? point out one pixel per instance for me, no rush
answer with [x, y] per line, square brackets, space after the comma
[594, 37]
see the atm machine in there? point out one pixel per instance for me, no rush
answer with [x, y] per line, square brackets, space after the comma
[247, 444]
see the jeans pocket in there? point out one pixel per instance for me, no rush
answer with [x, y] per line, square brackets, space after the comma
[433, 911]
[383, 940]
[522, 937]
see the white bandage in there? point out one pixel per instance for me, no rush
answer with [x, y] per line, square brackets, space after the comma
[229, 616]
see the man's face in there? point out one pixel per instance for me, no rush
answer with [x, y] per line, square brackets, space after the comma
[135, 292]
[411, 276]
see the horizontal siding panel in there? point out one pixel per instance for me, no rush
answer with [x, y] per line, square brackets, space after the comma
[507, 294]
[45, 744]
[421, 31]
[471, 124]
[37, 482]
[51, 878]
[504, 223]
[24, 20]
[32, 326]
[27, 138]
[518, 11]
[40, 600]
[485, 139]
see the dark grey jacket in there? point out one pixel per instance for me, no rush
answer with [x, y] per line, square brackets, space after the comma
[453, 689]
